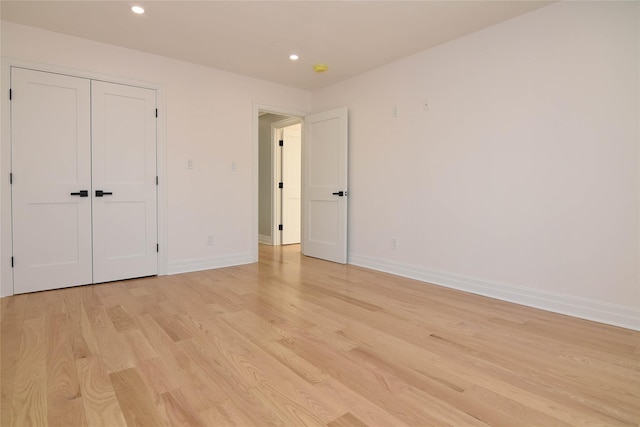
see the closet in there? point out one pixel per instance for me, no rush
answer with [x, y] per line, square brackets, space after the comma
[84, 181]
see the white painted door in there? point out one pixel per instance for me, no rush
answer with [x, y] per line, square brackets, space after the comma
[292, 183]
[325, 186]
[124, 170]
[51, 165]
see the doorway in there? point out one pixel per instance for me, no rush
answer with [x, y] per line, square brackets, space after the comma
[324, 183]
[280, 182]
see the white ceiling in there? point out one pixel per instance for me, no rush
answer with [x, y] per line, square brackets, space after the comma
[255, 38]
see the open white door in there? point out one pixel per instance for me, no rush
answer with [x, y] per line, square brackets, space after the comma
[124, 182]
[292, 183]
[51, 168]
[324, 208]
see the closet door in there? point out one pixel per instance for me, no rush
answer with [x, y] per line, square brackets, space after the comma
[124, 182]
[51, 161]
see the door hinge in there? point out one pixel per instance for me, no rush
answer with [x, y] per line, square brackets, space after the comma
[157, 247]
[280, 227]
[10, 177]
[11, 262]
[156, 112]
[10, 94]
[281, 143]
[281, 185]
[156, 179]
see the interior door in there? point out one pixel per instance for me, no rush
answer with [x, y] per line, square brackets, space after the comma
[124, 182]
[325, 186]
[51, 161]
[292, 184]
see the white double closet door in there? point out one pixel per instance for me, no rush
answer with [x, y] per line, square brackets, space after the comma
[84, 185]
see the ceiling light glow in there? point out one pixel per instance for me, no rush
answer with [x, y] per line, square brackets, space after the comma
[293, 57]
[138, 10]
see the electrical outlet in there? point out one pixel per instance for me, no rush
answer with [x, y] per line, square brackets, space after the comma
[210, 240]
[395, 112]
[189, 164]
[425, 105]
[394, 243]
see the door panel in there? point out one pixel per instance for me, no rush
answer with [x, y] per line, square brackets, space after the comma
[291, 168]
[51, 158]
[325, 173]
[324, 153]
[123, 239]
[124, 164]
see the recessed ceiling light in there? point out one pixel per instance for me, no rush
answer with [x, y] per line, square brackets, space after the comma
[138, 10]
[293, 57]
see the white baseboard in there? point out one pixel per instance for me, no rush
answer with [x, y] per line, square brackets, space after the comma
[265, 240]
[198, 264]
[612, 314]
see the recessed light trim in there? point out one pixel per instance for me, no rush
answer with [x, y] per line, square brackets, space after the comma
[294, 57]
[137, 9]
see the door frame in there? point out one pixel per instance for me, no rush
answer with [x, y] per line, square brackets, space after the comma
[257, 108]
[276, 196]
[6, 238]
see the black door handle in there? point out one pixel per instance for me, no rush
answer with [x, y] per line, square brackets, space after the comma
[100, 193]
[339, 193]
[81, 193]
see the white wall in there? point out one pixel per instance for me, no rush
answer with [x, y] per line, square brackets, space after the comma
[521, 181]
[209, 119]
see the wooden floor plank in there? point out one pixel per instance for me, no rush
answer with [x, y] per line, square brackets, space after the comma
[62, 378]
[347, 420]
[82, 340]
[115, 351]
[67, 413]
[29, 400]
[136, 400]
[226, 414]
[99, 399]
[121, 319]
[178, 410]
[11, 325]
[293, 340]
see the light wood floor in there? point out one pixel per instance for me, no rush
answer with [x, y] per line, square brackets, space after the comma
[296, 341]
